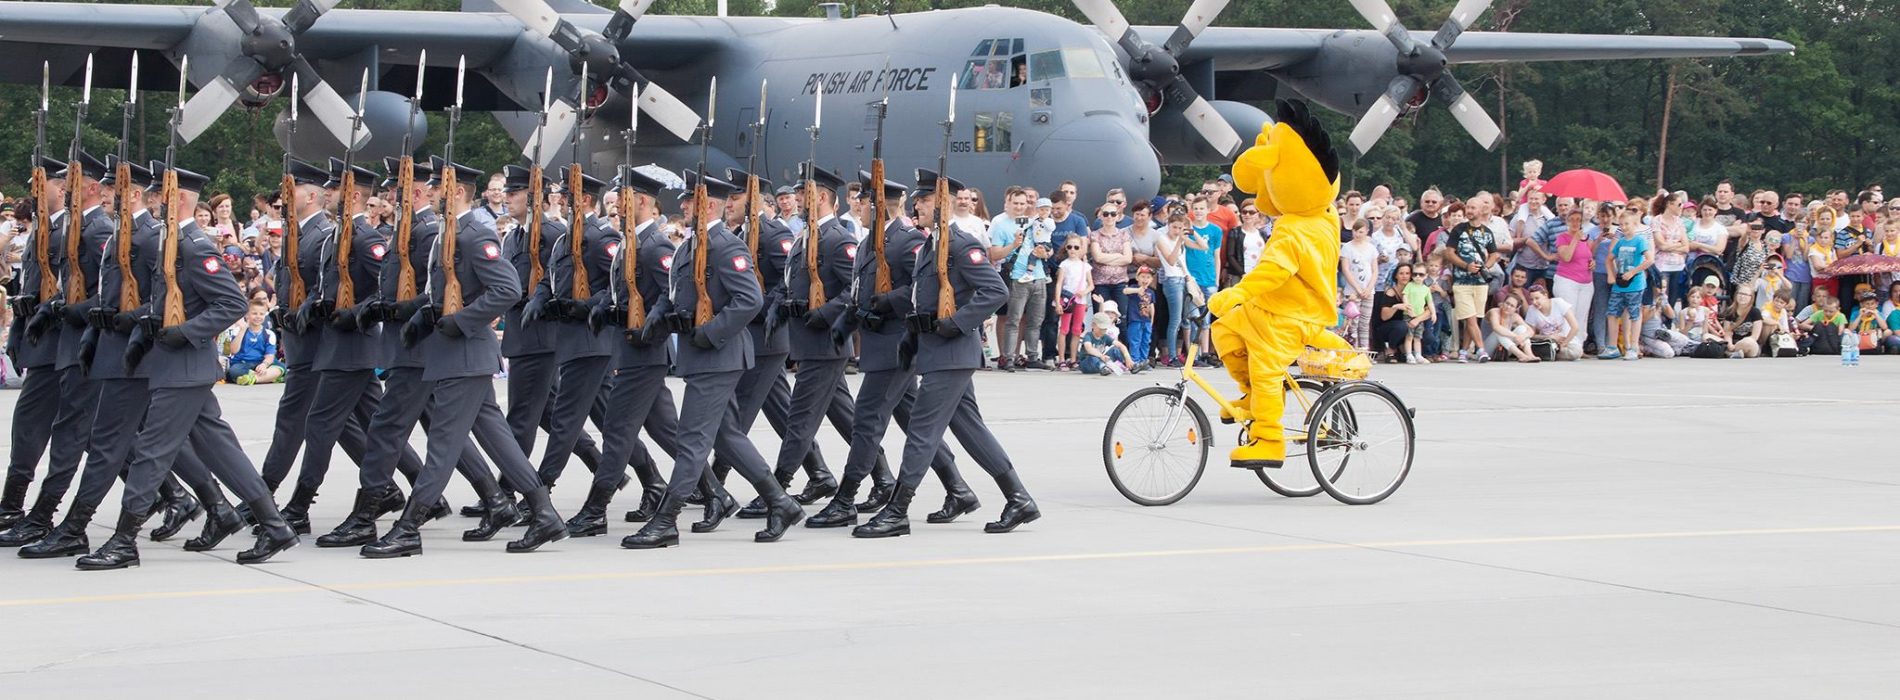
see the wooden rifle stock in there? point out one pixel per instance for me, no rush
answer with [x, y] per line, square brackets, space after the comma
[128, 283]
[630, 261]
[345, 231]
[405, 228]
[576, 231]
[703, 311]
[174, 299]
[815, 291]
[42, 228]
[294, 297]
[451, 285]
[946, 296]
[881, 218]
[75, 274]
[752, 204]
[535, 215]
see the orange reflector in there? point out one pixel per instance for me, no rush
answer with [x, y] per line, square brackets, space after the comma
[1192, 438]
[1118, 449]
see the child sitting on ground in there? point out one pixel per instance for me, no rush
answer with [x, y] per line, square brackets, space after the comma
[1824, 327]
[253, 353]
[1101, 353]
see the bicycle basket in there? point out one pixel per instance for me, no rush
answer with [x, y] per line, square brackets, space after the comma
[1335, 364]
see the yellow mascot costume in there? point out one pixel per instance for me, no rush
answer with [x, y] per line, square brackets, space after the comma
[1267, 319]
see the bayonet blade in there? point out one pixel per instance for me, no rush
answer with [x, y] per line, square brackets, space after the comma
[85, 97]
[422, 68]
[132, 93]
[46, 83]
[461, 76]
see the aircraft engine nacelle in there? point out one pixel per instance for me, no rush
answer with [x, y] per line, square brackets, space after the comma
[1348, 74]
[385, 114]
[1179, 144]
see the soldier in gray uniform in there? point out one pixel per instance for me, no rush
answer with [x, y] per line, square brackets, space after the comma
[566, 297]
[878, 312]
[712, 294]
[182, 361]
[38, 400]
[637, 394]
[297, 342]
[468, 289]
[942, 346]
[809, 309]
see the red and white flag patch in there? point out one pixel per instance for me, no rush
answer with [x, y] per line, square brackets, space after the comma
[977, 257]
[851, 252]
[613, 247]
[786, 245]
[491, 251]
[378, 251]
[740, 263]
[666, 262]
[212, 265]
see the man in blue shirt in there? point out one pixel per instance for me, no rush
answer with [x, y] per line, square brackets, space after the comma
[1012, 244]
[1203, 264]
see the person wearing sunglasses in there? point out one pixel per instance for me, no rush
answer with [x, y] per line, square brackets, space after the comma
[1075, 278]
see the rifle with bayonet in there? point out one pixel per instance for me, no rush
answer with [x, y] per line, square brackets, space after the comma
[406, 193]
[635, 303]
[815, 290]
[946, 296]
[294, 296]
[42, 205]
[536, 197]
[752, 194]
[150, 321]
[578, 290]
[128, 195]
[451, 285]
[346, 222]
[703, 311]
[75, 194]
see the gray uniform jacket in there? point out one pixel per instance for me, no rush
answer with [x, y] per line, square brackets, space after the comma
[523, 338]
[599, 244]
[99, 227]
[423, 230]
[362, 348]
[655, 264]
[45, 352]
[837, 250]
[489, 287]
[979, 293]
[212, 303]
[736, 298]
[775, 246]
[877, 351]
[147, 237]
[313, 235]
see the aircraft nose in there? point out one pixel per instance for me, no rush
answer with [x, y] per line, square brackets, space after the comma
[1098, 152]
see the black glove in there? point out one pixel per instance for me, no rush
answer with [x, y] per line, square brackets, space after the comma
[883, 305]
[74, 316]
[124, 321]
[322, 310]
[601, 316]
[376, 312]
[88, 348]
[535, 310]
[906, 351]
[100, 317]
[23, 305]
[701, 340]
[348, 319]
[173, 337]
[816, 321]
[947, 330]
[39, 323]
[447, 326]
[280, 317]
[135, 352]
[841, 330]
[305, 316]
[772, 319]
[412, 330]
[408, 309]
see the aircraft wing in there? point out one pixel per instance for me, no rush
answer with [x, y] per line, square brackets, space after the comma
[1245, 48]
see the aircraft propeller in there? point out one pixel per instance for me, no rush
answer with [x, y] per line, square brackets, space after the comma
[1422, 73]
[600, 54]
[268, 48]
[1158, 68]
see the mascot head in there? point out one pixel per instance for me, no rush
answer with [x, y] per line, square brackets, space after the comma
[1292, 166]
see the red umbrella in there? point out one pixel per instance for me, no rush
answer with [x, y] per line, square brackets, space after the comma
[1863, 264]
[1584, 183]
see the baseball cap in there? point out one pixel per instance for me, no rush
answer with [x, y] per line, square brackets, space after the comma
[1043, 203]
[1712, 281]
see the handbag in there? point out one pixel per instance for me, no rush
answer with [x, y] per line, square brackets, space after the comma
[1544, 348]
[1782, 344]
[1711, 350]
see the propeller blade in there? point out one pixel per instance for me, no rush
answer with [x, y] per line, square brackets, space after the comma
[1199, 15]
[1378, 13]
[328, 107]
[1462, 17]
[1386, 110]
[305, 13]
[243, 13]
[561, 121]
[1106, 17]
[671, 114]
[1468, 112]
[541, 19]
[1212, 126]
[630, 11]
[216, 97]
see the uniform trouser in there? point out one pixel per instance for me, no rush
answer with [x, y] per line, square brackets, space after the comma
[457, 407]
[639, 459]
[346, 402]
[1256, 348]
[947, 399]
[709, 424]
[1023, 322]
[33, 412]
[574, 398]
[530, 385]
[182, 415]
[72, 426]
[293, 413]
[881, 394]
[636, 397]
[121, 410]
[811, 400]
[405, 402]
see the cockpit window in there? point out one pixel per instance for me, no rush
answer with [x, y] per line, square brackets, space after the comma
[996, 64]
[1083, 63]
[1046, 65]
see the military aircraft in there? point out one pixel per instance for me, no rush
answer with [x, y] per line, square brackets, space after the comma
[1038, 98]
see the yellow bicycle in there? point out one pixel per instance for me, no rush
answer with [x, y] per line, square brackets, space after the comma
[1355, 434]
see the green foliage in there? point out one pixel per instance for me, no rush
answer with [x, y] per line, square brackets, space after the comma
[1826, 117]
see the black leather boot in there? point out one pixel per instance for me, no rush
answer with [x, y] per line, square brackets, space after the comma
[66, 540]
[476, 510]
[721, 506]
[882, 484]
[391, 501]
[755, 509]
[360, 527]
[650, 496]
[402, 539]
[956, 504]
[546, 525]
[441, 510]
[1020, 509]
[785, 512]
[221, 521]
[274, 534]
[894, 520]
[297, 512]
[29, 529]
[819, 486]
[180, 508]
[840, 511]
[661, 531]
[121, 551]
[499, 512]
[13, 500]
[592, 518]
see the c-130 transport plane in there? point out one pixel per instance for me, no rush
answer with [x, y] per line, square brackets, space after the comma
[1038, 98]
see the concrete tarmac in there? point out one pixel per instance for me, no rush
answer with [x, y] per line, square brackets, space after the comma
[1654, 529]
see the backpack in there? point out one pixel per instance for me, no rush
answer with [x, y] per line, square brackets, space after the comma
[1710, 350]
[1825, 340]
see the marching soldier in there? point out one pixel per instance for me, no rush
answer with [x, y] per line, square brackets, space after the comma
[880, 301]
[711, 296]
[297, 341]
[38, 399]
[817, 278]
[469, 286]
[953, 290]
[194, 299]
[637, 395]
[575, 285]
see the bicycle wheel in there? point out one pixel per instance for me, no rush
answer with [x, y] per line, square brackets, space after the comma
[1155, 446]
[1361, 443]
[1295, 482]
